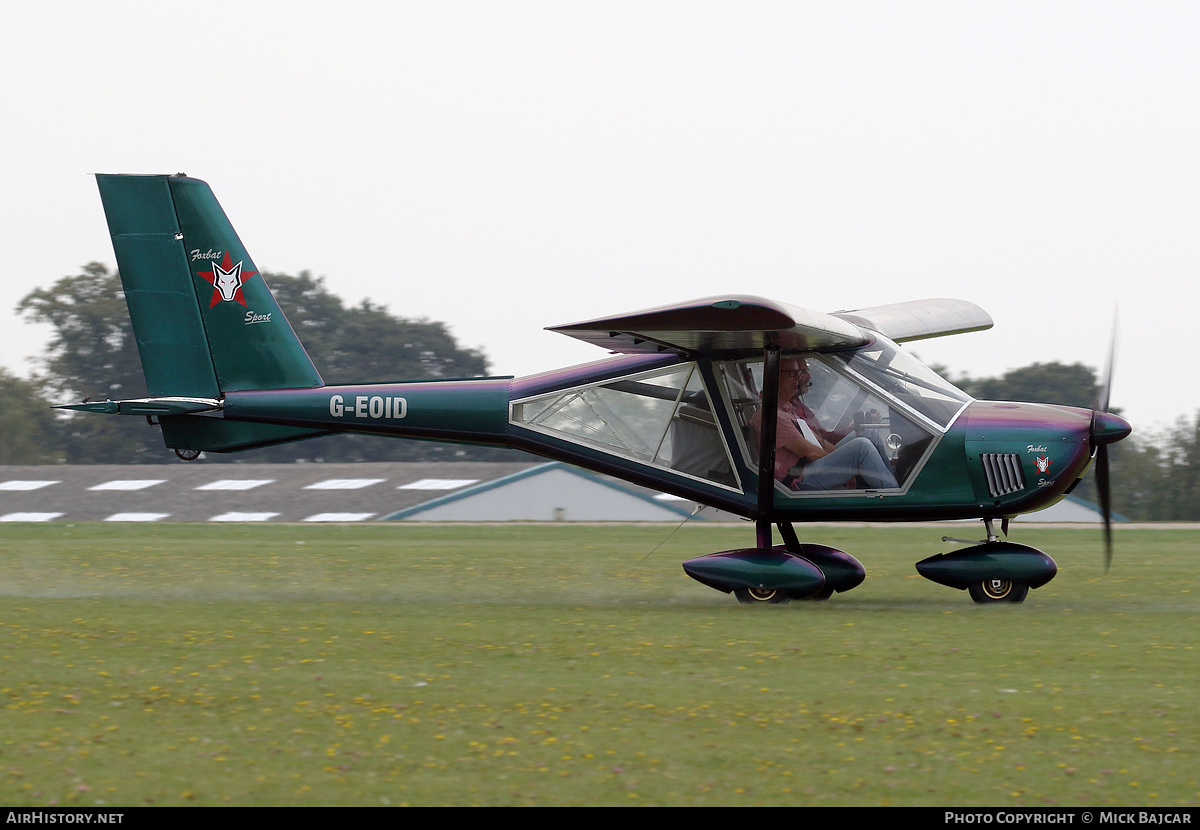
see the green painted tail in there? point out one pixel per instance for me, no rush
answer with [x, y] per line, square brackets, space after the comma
[204, 320]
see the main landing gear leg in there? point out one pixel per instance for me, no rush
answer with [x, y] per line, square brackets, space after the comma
[762, 593]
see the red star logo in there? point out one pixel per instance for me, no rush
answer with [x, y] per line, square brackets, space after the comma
[1042, 463]
[227, 280]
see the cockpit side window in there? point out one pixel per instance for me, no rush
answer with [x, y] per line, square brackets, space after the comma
[662, 418]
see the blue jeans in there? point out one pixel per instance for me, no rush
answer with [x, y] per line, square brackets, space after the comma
[852, 457]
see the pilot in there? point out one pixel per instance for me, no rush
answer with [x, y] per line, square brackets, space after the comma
[805, 457]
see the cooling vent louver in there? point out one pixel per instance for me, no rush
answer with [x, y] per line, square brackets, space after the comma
[1003, 473]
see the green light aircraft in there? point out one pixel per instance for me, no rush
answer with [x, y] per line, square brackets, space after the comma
[775, 413]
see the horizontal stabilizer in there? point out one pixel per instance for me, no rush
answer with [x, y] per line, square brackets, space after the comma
[148, 406]
[726, 325]
[920, 319]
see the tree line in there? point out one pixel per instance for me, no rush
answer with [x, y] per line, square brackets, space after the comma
[1155, 473]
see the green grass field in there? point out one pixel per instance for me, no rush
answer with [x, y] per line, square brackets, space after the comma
[548, 665]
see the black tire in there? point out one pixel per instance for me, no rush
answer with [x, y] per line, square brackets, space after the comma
[998, 590]
[823, 594]
[758, 596]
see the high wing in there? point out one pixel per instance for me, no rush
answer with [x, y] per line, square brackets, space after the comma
[920, 319]
[736, 325]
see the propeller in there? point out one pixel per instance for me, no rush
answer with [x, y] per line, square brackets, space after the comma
[1106, 429]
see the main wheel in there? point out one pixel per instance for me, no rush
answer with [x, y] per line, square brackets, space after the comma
[754, 596]
[998, 590]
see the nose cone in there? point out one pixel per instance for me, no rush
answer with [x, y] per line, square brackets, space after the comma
[1108, 428]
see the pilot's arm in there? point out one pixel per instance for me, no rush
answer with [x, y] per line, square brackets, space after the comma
[799, 436]
[807, 451]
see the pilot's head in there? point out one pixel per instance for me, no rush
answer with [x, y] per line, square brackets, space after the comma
[794, 378]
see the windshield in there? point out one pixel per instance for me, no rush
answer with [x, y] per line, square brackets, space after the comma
[900, 374]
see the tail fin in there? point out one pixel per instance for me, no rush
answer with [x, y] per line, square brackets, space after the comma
[204, 320]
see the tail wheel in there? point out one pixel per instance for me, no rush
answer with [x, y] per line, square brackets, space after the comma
[998, 590]
[755, 596]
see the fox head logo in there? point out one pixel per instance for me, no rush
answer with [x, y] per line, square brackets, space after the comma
[227, 280]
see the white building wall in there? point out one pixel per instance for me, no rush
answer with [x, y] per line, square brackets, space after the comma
[555, 495]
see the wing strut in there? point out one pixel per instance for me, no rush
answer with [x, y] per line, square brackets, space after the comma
[766, 440]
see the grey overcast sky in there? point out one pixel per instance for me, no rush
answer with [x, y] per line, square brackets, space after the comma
[505, 166]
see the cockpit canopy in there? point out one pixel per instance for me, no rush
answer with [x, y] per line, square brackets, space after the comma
[693, 418]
